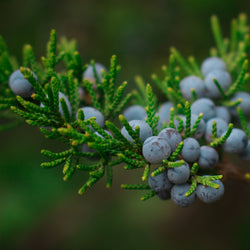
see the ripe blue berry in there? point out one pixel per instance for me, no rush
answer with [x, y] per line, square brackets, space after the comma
[245, 155]
[221, 128]
[19, 85]
[236, 142]
[208, 194]
[208, 157]
[160, 182]
[180, 174]
[178, 195]
[172, 137]
[223, 113]
[90, 76]
[223, 78]
[205, 106]
[211, 64]
[155, 149]
[245, 104]
[164, 195]
[145, 130]
[135, 112]
[92, 112]
[191, 150]
[164, 113]
[192, 82]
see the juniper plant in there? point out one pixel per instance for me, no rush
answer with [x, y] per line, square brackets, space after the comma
[54, 105]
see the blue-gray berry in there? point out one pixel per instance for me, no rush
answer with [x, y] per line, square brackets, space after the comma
[223, 113]
[172, 136]
[145, 130]
[221, 125]
[208, 157]
[164, 113]
[156, 149]
[212, 63]
[135, 112]
[236, 142]
[178, 195]
[245, 155]
[191, 150]
[160, 182]
[92, 112]
[19, 85]
[90, 76]
[164, 195]
[192, 82]
[245, 103]
[223, 78]
[205, 106]
[208, 194]
[179, 175]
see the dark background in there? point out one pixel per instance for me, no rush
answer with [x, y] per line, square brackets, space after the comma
[40, 211]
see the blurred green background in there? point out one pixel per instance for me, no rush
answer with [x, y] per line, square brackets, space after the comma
[40, 211]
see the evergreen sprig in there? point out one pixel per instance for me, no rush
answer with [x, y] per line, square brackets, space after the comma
[88, 146]
[219, 141]
[110, 99]
[151, 119]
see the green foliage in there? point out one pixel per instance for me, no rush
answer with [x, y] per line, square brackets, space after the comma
[64, 127]
[219, 141]
[171, 118]
[140, 94]
[205, 181]
[109, 97]
[214, 130]
[103, 151]
[151, 119]
[158, 171]
[170, 84]
[176, 153]
[180, 125]
[196, 124]
[188, 119]
[232, 50]
[148, 195]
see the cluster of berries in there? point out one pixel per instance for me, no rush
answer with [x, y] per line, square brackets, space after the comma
[22, 87]
[207, 121]
[182, 141]
[175, 182]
